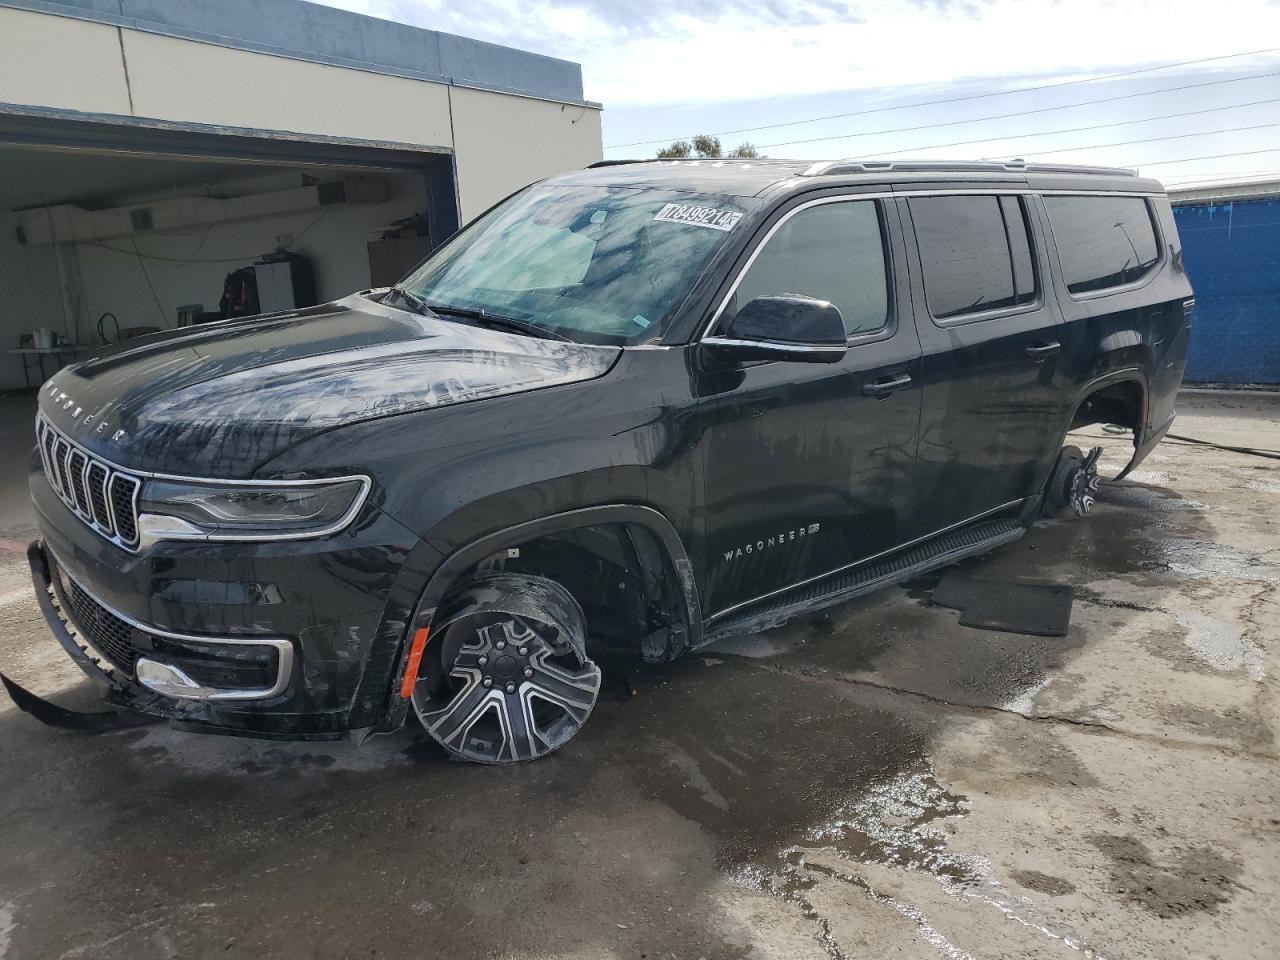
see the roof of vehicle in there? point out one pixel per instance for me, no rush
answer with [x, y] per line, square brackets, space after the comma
[748, 178]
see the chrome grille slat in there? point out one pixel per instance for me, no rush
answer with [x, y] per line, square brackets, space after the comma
[60, 450]
[102, 496]
[122, 494]
[97, 478]
[77, 464]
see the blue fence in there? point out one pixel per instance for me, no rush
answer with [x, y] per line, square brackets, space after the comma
[1232, 253]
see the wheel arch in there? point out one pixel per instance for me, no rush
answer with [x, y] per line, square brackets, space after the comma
[1120, 396]
[466, 557]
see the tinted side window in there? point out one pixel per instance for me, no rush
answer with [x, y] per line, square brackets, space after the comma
[832, 252]
[976, 253]
[1015, 225]
[1102, 241]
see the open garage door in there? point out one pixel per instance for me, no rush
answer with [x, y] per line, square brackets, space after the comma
[122, 226]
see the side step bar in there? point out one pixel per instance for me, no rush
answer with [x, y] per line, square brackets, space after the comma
[846, 585]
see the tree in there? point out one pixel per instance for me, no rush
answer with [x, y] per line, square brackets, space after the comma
[707, 147]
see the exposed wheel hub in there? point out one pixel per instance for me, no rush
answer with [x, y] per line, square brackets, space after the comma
[512, 695]
[1082, 485]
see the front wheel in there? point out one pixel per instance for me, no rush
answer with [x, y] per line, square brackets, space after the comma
[515, 681]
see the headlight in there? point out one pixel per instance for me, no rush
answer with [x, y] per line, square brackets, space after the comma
[190, 510]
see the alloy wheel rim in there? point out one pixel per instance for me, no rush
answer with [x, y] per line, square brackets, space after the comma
[514, 696]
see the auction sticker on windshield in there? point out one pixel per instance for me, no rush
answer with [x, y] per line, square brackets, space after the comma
[699, 216]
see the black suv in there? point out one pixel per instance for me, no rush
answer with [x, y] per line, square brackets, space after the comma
[644, 405]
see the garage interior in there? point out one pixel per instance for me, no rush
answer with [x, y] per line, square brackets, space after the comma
[118, 230]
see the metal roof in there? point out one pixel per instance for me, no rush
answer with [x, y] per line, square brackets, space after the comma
[307, 31]
[1261, 188]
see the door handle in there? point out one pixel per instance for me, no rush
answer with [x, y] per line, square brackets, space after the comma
[1042, 351]
[882, 388]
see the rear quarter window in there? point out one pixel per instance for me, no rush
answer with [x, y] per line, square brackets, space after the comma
[1103, 242]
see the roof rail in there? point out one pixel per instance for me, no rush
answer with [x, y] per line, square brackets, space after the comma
[611, 163]
[832, 167]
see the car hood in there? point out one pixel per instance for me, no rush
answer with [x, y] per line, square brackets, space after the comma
[222, 399]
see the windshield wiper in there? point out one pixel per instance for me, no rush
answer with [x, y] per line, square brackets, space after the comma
[485, 318]
[415, 302]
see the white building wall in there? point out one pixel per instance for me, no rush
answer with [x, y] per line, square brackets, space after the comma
[190, 82]
[52, 61]
[502, 141]
[505, 142]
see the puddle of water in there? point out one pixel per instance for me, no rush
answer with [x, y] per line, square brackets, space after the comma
[1202, 558]
[1155, 478]
[1156, 501]
[196, 753]
[900, 823]
[688, 765]
[756, 646]
[1024, 702]
[1265, 486]
[1220, 645]
[7, 923]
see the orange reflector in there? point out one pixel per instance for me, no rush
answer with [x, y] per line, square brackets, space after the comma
[415, 661]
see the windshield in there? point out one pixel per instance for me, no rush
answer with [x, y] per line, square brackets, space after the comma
[593, 264]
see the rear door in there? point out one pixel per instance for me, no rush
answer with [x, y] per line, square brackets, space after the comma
[809, 466]
[992, 378]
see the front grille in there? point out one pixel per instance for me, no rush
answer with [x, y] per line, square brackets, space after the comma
[99, 627]
[98, 493]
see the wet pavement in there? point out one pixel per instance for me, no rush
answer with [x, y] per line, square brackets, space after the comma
[876, 781]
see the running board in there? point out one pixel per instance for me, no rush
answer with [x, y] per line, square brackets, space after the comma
[846, 585]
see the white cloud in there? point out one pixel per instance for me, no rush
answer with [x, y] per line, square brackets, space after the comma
[706, 51]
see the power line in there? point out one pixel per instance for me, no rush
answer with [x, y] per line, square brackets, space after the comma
[1221, 176]
[1130, 143]
[1026, 113]
[1212, 156]
[1050, 133]
[973, 96]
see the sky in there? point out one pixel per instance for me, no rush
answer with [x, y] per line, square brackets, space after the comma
[827, 79]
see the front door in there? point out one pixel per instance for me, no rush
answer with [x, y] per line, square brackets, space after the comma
[992, 373]
[809, 466]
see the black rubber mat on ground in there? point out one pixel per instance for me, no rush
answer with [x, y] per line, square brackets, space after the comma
[1039, 609]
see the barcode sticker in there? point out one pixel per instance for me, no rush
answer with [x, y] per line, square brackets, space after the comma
[699, 216]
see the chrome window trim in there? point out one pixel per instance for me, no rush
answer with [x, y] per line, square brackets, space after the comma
[979, 190]
[779, 345]
[718, 315]
[283, 647]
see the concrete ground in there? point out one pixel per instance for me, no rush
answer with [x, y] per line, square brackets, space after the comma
[877, 782]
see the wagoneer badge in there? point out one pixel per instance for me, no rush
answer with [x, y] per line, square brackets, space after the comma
[788, 536]
[64, 400]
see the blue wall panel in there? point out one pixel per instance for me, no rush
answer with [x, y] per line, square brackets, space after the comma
[1232, 253]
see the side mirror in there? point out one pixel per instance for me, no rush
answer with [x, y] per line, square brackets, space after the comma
[788, 327]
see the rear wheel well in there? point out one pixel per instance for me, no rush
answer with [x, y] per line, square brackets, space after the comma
[1123, 403]
[620, 573]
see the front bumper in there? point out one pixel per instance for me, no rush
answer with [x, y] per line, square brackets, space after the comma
[274, 640]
